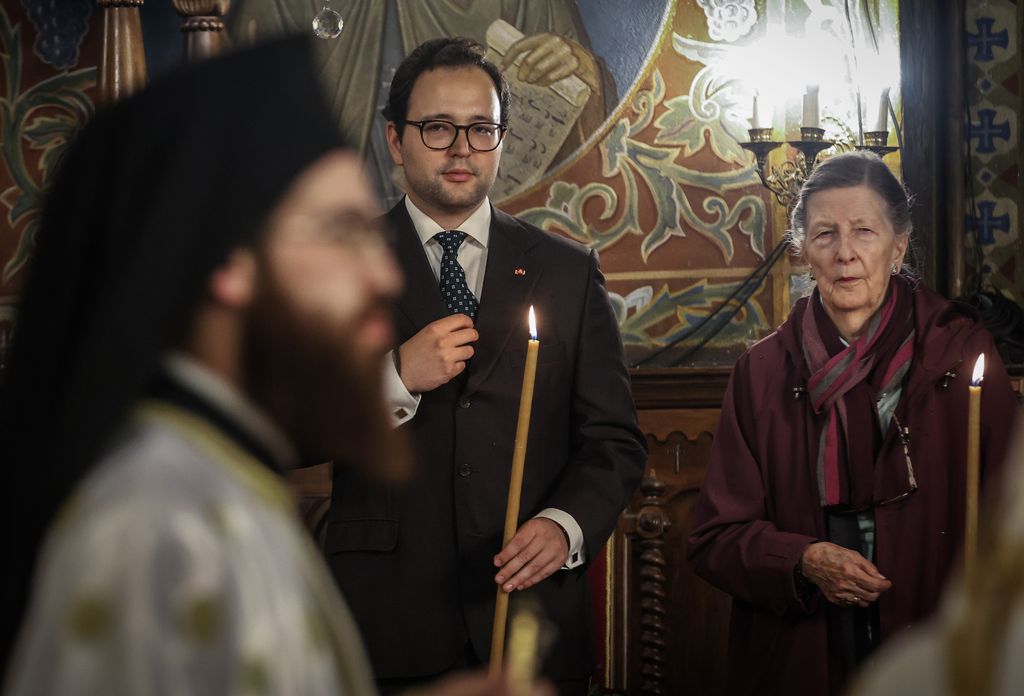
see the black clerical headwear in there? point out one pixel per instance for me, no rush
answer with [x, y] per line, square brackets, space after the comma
[151, 197]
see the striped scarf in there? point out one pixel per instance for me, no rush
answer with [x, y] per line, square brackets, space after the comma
[833, 377]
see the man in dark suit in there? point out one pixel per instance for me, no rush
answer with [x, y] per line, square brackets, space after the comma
[421, 564]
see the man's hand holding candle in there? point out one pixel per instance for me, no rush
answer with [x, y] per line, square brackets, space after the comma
[539, 548]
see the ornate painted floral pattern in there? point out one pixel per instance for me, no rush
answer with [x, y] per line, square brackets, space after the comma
[44, 117]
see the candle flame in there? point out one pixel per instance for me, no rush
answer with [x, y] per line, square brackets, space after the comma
[533, 324]
[979, 371]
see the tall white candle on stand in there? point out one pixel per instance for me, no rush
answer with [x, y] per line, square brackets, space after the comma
[882, 122]
[811, 119]
[755, 118]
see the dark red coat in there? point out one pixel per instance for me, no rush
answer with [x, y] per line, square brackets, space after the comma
[759, 506]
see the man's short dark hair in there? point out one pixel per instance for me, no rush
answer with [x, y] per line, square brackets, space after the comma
[457, 52]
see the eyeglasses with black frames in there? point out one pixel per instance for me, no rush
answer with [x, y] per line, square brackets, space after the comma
[482, 136]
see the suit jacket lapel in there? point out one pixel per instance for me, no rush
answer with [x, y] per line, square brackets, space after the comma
[421, 301]
[505, 293]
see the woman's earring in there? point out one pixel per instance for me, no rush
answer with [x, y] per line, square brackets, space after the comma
[895, 268]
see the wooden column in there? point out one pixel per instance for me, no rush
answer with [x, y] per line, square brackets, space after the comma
[952, 138]
[932, 56]
[648, 526]
[672, 625]
[203, 26]
[123, 64]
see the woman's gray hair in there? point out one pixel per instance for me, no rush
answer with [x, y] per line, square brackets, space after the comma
[845, 171]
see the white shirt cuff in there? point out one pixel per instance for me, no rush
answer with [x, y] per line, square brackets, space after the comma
[401, 404]
[577, 552]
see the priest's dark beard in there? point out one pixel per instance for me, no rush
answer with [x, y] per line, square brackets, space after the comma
[310, 377]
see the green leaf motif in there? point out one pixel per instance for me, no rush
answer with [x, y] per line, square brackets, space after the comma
[644, 103]
[50, 134]
[16, 202]
[689, 307]
[561, 194]
[712, 111]
[613, 149]
[22, 254]
[676, 127]
[67, 108]
[656, 168]
[44, 130]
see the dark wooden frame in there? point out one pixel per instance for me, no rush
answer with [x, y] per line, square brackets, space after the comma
[657, 605]
[931, 55]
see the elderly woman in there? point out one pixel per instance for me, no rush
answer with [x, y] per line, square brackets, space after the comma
[833, 507]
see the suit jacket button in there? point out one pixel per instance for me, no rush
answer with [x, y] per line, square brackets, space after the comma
[464, 403]
[464, 470]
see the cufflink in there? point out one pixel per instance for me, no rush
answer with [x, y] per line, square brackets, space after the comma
[401, 413]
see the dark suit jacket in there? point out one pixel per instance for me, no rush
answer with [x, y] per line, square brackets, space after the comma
[416, 562]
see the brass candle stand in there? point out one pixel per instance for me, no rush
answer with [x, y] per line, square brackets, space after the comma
[875, 141]
[785, 181]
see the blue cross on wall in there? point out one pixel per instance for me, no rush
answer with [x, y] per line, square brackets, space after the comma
[984, 40]
[986, 223]
[987, 130]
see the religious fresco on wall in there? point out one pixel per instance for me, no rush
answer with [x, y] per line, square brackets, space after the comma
[646, 165]
[636, 152]
[668, 198]
[994, 64]
[582, 66]
[44, 99]
[689, 239]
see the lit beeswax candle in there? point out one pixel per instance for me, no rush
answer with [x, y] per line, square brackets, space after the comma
[973, 469]
[515, 489]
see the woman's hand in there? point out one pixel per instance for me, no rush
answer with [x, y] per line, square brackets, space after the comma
[844, 576]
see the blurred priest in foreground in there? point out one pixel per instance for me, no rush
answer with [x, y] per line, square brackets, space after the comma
[209, 306]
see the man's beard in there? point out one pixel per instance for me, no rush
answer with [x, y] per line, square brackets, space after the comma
[309, 375]
[433, 190]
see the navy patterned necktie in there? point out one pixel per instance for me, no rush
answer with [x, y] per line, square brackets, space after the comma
[458, 298]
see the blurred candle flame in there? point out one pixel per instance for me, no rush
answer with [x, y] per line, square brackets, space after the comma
[533, 325]
[979, 371]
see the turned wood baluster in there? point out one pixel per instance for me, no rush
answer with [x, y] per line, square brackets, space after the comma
[123, 64]
[203, 26]
[650, 523]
